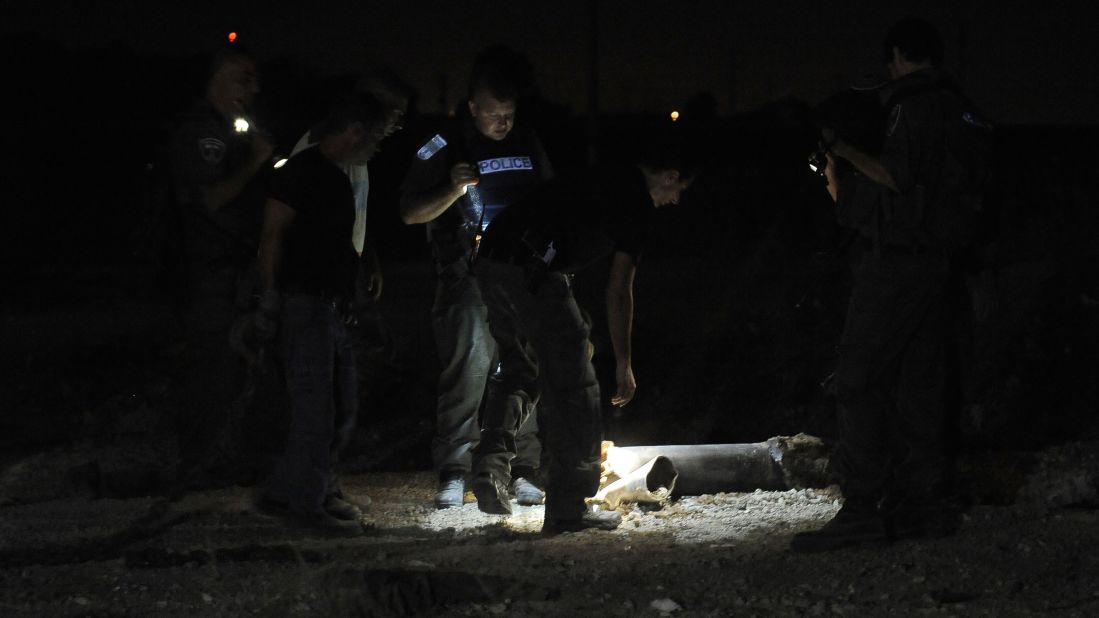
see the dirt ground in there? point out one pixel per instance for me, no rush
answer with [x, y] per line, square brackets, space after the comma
[1026, 546]
[208, 553]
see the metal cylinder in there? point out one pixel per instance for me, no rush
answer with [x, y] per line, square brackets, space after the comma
[714, 468]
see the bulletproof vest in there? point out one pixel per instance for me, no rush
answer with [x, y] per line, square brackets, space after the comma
[507, 170]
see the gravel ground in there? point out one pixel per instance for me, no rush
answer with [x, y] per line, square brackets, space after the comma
[209, 554]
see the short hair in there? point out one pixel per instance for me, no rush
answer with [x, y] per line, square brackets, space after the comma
[502, 72]
[386, 86]
[224, 55]
[917, 40]
[349, 108]
[666, 149]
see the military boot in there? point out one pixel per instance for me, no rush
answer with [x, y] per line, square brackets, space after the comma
[858, 522]
[492, 494]
[588, 520]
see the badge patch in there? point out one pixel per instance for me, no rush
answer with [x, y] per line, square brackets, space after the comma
[432, 146]
[975, 120]
[211, 149]
[894, 118]
[504, 164]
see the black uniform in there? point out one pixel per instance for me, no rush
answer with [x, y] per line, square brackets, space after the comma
[509, 169]
[219, 248]
[891, 378]
[526, 257]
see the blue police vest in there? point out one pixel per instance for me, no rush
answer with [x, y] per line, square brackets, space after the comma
[508, 170]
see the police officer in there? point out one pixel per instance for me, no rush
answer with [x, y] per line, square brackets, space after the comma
[460, 179]
[218, 159]
[527, 258]
[891, 378]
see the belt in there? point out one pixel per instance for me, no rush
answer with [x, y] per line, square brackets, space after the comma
[325, 296]
[498, 254]
[895, 248]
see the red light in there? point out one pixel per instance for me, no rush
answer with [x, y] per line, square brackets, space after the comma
[232, 37]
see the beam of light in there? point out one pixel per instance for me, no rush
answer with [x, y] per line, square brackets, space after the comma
[674, 115]
[240, 125]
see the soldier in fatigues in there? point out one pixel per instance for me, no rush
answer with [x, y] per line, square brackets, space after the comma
[891, 377]
[461, 178]
[218, 157]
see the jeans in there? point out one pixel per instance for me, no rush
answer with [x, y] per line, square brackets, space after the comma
[322, 386]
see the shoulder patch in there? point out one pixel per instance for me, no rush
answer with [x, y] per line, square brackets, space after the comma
[432, 146]
[211, 149]
[894, 118]
[974, 119]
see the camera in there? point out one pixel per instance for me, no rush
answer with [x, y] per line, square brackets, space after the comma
[854, 115]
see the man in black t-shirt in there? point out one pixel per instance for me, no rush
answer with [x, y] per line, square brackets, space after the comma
[307, 269]
[524, 268]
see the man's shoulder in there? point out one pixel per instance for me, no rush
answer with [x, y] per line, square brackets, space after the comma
[302, 145]
[305, 164]
[201, 116]
[441, 140]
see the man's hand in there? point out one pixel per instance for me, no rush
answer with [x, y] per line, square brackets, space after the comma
[262, 148]
[369, 284]
[462, 175]
[374, 282]
[265, 319]
[627, 386]
[422, 207]
[830, 177]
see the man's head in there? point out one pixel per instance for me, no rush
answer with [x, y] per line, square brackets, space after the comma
[353, 128]
[911, 45]
[392, 93]
[499, 79]
[233, 84]
[668, 169]
[493, 117]
[666, 186]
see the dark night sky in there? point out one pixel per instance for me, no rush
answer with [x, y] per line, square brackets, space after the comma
[1023, 64]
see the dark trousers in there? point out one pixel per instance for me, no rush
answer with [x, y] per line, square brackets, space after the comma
[214, 377]
[891, 378]
[543, 331]
[321, 384]
[466, 352]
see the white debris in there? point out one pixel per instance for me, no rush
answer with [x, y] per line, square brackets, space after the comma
[665, 605]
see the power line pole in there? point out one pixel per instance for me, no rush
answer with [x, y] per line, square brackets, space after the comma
[593, 81]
